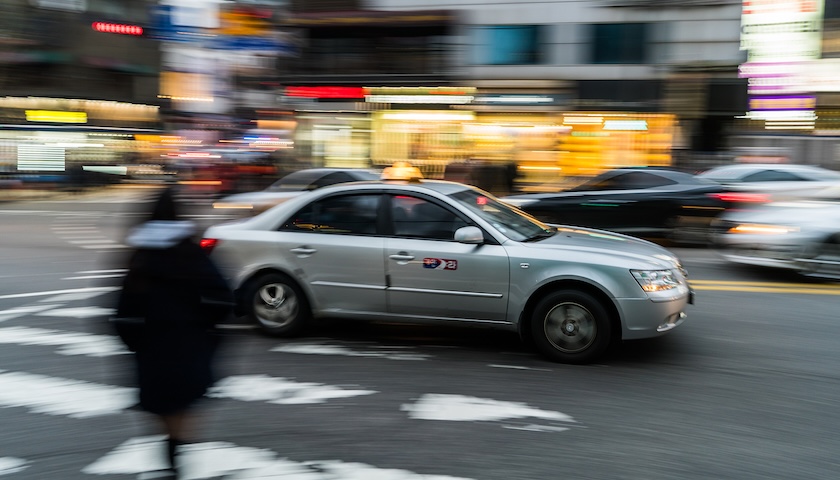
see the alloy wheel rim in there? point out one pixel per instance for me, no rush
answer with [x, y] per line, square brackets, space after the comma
[276, 305]
[570, 327]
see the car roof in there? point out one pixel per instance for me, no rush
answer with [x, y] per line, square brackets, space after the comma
[439, 186]
[731, 171]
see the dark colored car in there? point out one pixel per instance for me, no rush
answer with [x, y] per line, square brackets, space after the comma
[293, 185]
[649, 203]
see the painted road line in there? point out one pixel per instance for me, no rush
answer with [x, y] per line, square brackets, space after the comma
[96, 272]
[460, 408]
[80, 399]
[71, 297]
[391, 353]
[264, 388]
[517, 367]
[219, 459]
[78, 312]
[765, 287]
[62, 396]
[10, 465]
[761, 284]
[60, 292]
[71, 343]
[21, 311]
[94, 277]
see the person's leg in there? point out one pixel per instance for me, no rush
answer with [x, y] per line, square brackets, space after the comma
[177, 427]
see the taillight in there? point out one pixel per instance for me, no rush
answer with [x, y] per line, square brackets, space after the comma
[207, 244]
[741, 197]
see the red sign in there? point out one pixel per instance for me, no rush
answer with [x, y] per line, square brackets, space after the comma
[326, 92]
[117, 28]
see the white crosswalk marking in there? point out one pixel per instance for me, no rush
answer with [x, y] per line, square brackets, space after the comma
[254, 388]
[381, 351]
[78, 312]
[21, 311]
[62, 396]
[78, 399]
[217, 459]
[460, 408]
[10, 465]
[71, 343]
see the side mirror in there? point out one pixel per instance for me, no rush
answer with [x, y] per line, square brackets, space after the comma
[472, 235]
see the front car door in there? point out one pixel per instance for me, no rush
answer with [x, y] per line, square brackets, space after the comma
[335, 249]
[432, 276]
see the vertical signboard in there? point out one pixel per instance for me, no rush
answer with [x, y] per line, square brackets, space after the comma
[782, 38]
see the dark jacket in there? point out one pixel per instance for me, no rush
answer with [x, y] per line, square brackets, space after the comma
[178, 294]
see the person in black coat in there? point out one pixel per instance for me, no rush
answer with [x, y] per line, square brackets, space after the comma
[171, 300]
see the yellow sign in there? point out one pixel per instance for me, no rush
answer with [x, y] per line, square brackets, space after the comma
[55, 116]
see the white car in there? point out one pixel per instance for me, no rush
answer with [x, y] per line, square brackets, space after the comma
[803, 236]
[776, 181]
[433, 251]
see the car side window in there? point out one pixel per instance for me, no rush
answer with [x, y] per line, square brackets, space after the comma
[340, 214]
[416, 217]
[772, 176]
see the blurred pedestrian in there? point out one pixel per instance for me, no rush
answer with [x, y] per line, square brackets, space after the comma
[172, 298]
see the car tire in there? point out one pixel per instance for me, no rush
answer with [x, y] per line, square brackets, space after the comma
[571, 326]
[277, 305]
[824, 259]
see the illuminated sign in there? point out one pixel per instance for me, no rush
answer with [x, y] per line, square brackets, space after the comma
[55, 116]
[434, 99]
[626, 125]
[781, 30]
[783, 103]
[325, 92]
[117, 28]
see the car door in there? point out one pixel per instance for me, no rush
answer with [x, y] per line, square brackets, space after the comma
[430, 275]
[334, 248]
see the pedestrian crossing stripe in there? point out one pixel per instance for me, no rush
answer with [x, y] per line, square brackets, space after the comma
[9, 465]
[217, 459]
[71, 343]
[79, 399]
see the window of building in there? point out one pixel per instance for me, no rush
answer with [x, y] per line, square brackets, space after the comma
[620, 42]
[509, 44]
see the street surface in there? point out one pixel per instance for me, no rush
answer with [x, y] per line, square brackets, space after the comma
[745, 389]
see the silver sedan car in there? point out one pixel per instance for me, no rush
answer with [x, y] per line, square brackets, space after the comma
[802, 235]
[434, 251]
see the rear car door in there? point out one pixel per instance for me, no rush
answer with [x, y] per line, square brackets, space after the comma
[430, 275]
[334, 247]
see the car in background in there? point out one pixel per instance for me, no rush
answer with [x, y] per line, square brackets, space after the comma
[775, 181]
[653, 203]
[434, 251]
[291, 186]
[802, 236]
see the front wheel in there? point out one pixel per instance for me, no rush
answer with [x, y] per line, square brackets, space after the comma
[277, 305]
[570, 326]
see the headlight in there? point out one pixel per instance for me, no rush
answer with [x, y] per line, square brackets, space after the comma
[661, 285]
[761, 229]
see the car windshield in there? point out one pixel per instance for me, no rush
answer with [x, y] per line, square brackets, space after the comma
[509, 221]
[296, 181]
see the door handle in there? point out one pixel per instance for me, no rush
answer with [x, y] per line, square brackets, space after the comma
[402, 257]
[303, 251]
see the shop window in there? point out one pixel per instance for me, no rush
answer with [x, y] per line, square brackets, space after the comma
[620, 43]
[508, 44]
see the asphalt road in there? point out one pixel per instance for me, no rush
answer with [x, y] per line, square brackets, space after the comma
[745, 389]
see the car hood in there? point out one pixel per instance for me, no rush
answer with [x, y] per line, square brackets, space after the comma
[613, 244]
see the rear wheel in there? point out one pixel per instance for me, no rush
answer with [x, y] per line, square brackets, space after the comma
[571, 326]
[277, 305]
